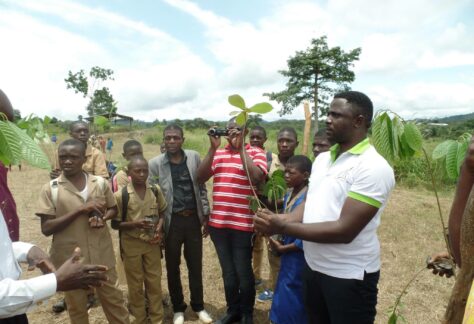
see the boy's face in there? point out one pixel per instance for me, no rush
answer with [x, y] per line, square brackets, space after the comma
[287, 144]
[71, 159]
[320, 145]
[257, 138]
[294, 177]
[173, 140]
[80, 132]
[138, 171]
[132, 151]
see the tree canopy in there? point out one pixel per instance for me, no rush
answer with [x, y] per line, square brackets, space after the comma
[315, 75]
[101, 100]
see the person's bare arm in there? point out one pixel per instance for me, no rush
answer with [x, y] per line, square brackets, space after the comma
[463, 189]
[50, 225]
[204, 171]
[355, 215]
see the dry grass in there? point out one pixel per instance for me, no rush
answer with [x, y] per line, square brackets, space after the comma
[409, 232]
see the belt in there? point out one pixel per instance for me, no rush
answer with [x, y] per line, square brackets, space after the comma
[186, 213]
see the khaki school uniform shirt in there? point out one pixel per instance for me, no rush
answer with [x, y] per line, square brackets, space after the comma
[95, 163]
[138, 209]
[122, 179]
[95, 243]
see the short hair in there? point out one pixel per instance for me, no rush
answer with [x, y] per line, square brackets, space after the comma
[137, 158]
[77, 122]
[259, 128]
[173, 127]
[73, 142]
[130, 143]
[360, 102]
[321, 133]
[301, 162]
[289, 130]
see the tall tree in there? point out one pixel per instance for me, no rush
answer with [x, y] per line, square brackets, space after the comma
[101, 100]
[314, 75]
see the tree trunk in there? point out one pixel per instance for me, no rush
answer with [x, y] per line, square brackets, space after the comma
[307, 128]
[316, 124]
[457, 302]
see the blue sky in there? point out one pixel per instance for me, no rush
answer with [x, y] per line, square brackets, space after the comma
[182, 58]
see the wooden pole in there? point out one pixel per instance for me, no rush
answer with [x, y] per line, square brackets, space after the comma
[307, 128]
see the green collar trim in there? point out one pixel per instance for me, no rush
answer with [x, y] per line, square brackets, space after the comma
[357, 149]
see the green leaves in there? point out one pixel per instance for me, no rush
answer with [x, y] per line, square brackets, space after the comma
[394, 138]
[16, 145]
[275, 187]
[242, 116]
[451, 154]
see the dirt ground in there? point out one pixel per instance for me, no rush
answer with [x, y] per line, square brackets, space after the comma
[409, 232]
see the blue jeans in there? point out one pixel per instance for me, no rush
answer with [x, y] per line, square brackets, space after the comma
[234, 249]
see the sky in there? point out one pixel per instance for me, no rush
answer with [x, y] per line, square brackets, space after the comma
[182, 58]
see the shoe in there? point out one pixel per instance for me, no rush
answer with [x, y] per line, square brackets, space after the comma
[229, 319]
[265, 296]
[60, 306]
[178, 318]
[246, 319]
[204, 316]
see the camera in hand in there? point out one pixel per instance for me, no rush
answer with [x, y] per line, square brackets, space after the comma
[218, 132]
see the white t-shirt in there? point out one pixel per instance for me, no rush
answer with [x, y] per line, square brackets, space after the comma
[362, 174]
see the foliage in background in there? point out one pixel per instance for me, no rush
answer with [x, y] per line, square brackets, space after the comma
[314, 75]
[20, 143]
[101, 100]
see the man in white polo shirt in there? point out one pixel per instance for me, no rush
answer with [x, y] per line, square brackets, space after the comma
[349, 188]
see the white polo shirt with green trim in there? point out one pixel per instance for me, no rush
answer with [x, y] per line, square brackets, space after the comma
[362, 174]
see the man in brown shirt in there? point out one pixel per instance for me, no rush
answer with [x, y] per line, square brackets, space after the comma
[74, 208]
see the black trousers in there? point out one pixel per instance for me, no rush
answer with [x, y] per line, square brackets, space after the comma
[184, 230]
[330, 300]
[18, 319]
[234, 249]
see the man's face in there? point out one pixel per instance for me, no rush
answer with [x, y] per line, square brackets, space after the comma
[132, 151]
[257, 138]
[294, 177]
[173, 140]
[286, 143]
[138, 171]
[320, 145]
[340, 121]
[71, 158]
[80, 132]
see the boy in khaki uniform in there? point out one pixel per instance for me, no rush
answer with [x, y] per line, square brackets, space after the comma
[141, 232]
[74, 208]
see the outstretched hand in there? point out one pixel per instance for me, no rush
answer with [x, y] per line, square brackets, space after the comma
[75, 275]
[267, 222]
[441, 264]
[37, 258]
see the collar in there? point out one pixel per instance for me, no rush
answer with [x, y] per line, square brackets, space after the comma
[63, 179]
[357, 149]
[166, 158]
[229, 148]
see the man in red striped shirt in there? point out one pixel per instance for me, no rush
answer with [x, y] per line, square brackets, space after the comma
[231, 221]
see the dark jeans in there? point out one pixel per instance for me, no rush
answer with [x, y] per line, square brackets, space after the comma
[184, 230]
[330, 300]
[18, 319]
[234, 249]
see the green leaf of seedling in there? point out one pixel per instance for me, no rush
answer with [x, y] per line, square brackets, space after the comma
[253, 203]
[237, 101]
[10, 148]
[235, 112]
[100, 121]
[241, 118]
[393, 318]
[462, 149]
[441, 150]
[30, 151]
[451, 160]
[261, 108]
[413, 137]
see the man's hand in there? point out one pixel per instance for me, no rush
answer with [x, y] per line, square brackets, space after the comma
[205, 229]
[74, 275]
[157, 236]
[37, 258]
[94, 206]
[275, 245]
[267, 222]
[441, 263]
[143, 224]
[54, 173]
[214, 140]
[236, 138]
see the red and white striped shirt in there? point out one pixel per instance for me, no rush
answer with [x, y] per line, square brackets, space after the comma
[230, 206]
